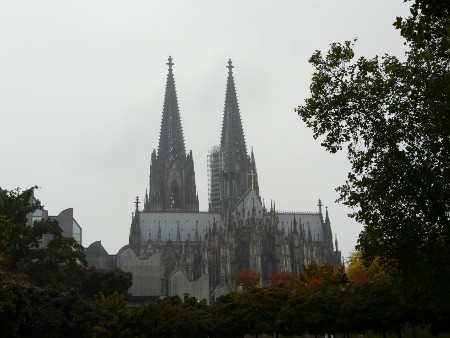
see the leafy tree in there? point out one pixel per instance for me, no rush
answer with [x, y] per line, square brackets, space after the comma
[393, 117]
[354, 265]
[46, 265]
[313, 274]
[357, 272]
[247, 278]
[232, 314]
[6, 227]
[92, 281]
[311, 310]
[284, 279]
[14, 207]
[23, 250]
[30, 311]
[180, 319]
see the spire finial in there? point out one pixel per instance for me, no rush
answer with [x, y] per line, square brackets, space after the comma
[230, 66]
[170, 63]
[137, 202]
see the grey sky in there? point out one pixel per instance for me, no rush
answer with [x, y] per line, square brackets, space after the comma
[82, 89]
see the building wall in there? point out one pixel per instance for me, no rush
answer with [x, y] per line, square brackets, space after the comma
[146, 272]
[179, 285]
[97, 256]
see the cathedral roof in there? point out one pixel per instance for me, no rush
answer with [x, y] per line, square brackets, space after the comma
[303, 219]
[169, 222]
[248, 202]
[171, 140]
[232, 141]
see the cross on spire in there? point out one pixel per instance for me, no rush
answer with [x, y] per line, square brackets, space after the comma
[170, 63]
[230, 66]
[137, 202]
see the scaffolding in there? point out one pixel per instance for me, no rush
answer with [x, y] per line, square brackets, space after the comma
[215, 167]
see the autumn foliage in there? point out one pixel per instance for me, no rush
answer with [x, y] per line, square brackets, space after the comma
[247, 278]
[284, 279]
[314, 275]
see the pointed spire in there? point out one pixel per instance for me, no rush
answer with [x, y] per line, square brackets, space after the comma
[336, 242]
[232, 141]
[327, 218]
[171, 141]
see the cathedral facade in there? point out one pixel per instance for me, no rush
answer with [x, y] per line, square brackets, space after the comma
[174, 249]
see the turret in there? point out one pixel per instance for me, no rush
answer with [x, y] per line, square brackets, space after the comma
[135, 230]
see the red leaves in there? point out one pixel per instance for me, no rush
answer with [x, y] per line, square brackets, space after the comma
[247, 278]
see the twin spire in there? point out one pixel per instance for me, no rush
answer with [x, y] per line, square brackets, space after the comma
[172, 174]
[171, 140]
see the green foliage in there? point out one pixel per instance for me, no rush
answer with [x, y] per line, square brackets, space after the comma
[6, 228]
[22, 248]
[393, 118]
[92, 281]
[27, 310]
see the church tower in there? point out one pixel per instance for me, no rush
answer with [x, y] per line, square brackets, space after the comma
[172, 175]
[232, 171]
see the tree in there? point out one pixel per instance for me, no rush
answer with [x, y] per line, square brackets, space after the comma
[314, 275]
[393, 117]
[30, 311]
[247, 278]
[232, 314]
[311, 309]
[284, 279]
[22, 250]
[92, 281]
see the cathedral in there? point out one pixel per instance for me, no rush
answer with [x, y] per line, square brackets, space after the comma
[175, 249]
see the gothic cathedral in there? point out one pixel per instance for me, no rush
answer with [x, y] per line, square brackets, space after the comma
[174, 249]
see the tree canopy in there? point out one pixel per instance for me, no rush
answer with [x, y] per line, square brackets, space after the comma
[393, 118]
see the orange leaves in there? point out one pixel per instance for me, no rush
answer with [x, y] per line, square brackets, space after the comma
[314, 275]
[284, 279]
[247, 278]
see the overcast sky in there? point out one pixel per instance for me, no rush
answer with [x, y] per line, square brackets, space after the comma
[82, 89]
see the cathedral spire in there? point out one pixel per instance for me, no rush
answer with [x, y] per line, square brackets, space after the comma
[172, 174]
[232, 141]
[171, 141]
